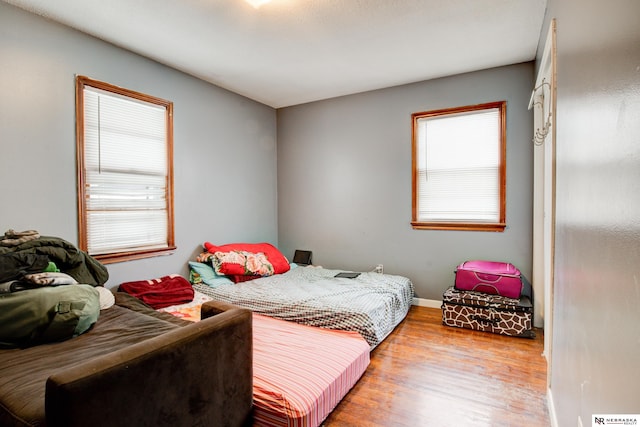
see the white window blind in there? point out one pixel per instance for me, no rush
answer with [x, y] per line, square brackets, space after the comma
[458, 167]
[126, 171]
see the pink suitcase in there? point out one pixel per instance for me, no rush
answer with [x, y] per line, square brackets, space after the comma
[489, 277]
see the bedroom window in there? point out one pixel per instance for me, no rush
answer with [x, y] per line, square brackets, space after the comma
[125, 172]
[459, 168]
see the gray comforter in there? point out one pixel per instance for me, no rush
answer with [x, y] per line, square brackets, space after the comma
[372, 304]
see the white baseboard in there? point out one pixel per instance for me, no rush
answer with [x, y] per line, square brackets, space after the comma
[552, 409]
[431, 303]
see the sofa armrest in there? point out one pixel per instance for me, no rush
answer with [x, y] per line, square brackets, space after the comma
[212, 308]
[199, 374]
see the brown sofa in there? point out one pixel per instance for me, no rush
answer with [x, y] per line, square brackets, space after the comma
[135, 367]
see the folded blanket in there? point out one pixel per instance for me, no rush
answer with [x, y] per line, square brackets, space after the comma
[162, 292]
[15, 238]
[48, 278]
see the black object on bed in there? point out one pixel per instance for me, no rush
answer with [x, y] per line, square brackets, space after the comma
[302, 257]
[347, 274]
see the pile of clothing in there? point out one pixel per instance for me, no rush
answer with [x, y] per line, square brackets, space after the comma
[25, 253]
[35, 307]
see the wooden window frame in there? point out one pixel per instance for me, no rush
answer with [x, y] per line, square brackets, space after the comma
[134, 253]
[498, 226]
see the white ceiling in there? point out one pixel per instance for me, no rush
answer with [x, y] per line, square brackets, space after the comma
[289, 52]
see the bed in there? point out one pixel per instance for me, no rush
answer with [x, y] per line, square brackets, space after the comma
[371, 304]
[300, 373]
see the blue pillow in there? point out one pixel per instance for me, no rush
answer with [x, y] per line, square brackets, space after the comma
[207, 274]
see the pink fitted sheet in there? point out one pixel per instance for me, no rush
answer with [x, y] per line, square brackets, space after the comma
[300, 373]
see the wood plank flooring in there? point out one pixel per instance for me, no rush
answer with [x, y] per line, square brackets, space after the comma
[427, 374]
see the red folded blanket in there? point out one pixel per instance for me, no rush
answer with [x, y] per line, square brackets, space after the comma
[162, 292]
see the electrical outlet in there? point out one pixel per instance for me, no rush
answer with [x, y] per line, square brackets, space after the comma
[379, 269]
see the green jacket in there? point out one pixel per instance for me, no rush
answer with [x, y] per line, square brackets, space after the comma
[69, 259]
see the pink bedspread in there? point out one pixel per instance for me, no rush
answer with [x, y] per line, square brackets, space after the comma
[300, 373]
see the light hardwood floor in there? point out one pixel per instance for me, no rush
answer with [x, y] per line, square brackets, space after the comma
[427, 374]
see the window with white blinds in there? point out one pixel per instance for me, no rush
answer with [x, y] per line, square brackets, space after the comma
[459, 168]
[124, 172]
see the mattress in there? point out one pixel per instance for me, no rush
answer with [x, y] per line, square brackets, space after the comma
[300, 373]
[371, 304]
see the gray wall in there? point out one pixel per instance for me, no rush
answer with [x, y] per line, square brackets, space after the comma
[224, 144]
[344, 180]
[595, 364]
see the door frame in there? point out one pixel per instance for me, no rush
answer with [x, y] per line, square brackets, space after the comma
[543, 101]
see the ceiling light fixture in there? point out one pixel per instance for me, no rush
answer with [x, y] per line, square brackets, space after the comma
[257, 3]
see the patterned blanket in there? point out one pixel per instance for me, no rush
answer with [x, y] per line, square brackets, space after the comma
[372, 304]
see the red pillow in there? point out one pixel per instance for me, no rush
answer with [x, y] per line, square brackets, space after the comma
[275, 257]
